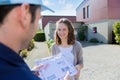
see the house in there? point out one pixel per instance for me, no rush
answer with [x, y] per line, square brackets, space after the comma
[99, 15]
[46, 19]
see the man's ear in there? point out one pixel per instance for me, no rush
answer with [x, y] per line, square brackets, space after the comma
[25, 14]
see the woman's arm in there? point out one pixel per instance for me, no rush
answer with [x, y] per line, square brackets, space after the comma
[78, 68]
[79, 58]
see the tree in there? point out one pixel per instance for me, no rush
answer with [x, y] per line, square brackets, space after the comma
[81, 32]
[116, 30]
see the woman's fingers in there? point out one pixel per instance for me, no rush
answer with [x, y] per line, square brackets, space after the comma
[67, 76]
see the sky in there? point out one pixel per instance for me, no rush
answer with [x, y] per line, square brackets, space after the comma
[62, 7]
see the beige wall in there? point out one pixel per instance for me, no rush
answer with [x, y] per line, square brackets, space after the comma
[47, 31]
[104, 30]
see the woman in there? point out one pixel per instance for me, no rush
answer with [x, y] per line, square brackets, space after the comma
[66, 44]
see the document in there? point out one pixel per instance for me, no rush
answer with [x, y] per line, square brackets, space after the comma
[55, 68]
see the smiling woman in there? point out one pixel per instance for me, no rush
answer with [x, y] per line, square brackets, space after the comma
[66, 45]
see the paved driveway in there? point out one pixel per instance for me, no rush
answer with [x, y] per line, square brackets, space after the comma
[101, 61]
[40, 51]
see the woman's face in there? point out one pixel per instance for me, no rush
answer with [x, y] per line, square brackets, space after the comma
[62, 31]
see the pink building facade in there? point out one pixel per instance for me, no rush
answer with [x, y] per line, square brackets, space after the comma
[99, 14]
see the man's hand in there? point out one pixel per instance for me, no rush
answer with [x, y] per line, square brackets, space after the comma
[36, 69]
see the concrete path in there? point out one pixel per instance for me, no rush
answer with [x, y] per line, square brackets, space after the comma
[101, 61]
[40, 51]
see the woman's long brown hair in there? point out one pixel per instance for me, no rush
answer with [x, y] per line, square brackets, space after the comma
[71, 35]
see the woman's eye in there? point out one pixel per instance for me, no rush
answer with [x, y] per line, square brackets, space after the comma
[64, 29]
[59, 29]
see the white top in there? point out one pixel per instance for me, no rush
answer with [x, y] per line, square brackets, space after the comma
[67, 53]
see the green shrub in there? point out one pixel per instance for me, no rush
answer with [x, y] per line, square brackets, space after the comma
[23, 53]
[81, 33]
[94, 40]
[31, 45]
[81, 36]
[101, 42]
[116, 30]
[50, 42]
[39, 36]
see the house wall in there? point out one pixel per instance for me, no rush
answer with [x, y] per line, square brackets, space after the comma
[79, 11]
[102, 31]
[102, 14]
[114, 9]
[98, 10]
[52, 29]
[46, 19]
[47, 32]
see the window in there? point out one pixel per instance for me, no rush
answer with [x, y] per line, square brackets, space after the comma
[83, 13]
[94, 29]
[88, 13]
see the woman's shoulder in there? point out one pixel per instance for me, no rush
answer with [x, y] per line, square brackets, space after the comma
[77, 46]
[77, 43]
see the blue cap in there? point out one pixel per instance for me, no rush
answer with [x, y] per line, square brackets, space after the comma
[35, 2]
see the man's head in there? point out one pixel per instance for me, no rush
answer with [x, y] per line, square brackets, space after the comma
[8, 5]
[19, 21]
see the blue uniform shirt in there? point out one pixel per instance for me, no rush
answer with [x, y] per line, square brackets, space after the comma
[13, 67]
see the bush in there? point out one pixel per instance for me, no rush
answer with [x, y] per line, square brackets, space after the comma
[81, 36]
[31, 45]
[49, 43]
[94, 40]
[116, 27]
[81, 33]
[39, 36]
[23, 53]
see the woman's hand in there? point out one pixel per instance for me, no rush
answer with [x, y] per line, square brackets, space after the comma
[67, 76]
[78, 71]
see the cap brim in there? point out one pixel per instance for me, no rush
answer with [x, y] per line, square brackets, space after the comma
[46, 8]
[35, 2]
